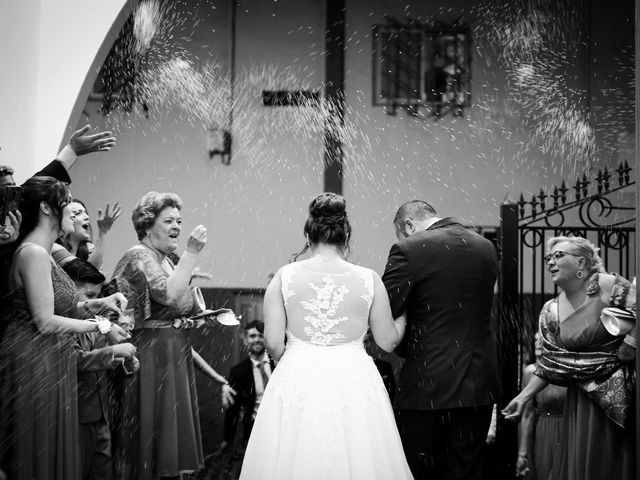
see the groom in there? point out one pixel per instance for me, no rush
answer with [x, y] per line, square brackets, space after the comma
[442, 276]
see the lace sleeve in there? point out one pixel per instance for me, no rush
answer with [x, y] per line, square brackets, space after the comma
[156, 279]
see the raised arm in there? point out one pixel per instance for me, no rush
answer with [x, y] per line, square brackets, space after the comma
[386, 331]
[105, 222]
[275, 317]
[81, 142]
[173, 289]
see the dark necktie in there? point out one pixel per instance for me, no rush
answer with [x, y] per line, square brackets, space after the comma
[263, 372]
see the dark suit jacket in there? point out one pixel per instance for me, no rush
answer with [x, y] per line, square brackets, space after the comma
[444, 279]
[56, 170]
[241, 380]
[95, 361]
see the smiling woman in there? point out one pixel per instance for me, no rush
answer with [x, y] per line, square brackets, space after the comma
[587, 336]
[80, 242]
[153, 437]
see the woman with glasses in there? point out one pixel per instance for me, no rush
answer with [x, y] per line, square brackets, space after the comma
[587, 336]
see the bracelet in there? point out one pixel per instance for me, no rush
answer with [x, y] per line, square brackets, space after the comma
[629, 340]
[523, 455]
[85, 307]
[104, 325]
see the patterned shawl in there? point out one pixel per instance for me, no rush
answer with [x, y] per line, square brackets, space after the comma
[598, 372]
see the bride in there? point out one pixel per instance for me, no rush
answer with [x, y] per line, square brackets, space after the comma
[326, 413]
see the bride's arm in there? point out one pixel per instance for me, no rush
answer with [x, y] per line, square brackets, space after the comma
[275, 318]
[387, 332]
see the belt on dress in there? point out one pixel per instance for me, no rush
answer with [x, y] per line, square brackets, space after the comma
[157, 324]
[547, 413]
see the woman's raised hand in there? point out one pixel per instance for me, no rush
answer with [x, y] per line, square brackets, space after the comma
[107, 217]
[197, 240]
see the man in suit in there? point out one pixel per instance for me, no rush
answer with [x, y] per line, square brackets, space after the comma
[442, 276]
[241, 397]
[95, 361]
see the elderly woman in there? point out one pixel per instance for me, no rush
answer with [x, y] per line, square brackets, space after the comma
[587, 334]
[160, 433]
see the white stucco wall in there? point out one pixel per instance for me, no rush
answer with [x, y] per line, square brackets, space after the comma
[47, 49]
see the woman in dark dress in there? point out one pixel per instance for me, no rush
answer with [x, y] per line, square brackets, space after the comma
[587, 336]
[38, 398]
[160, 431]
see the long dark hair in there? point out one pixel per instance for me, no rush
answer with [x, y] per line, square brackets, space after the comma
[327, 222]
[36, 190]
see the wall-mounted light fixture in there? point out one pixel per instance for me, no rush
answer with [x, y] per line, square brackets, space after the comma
[219, 143]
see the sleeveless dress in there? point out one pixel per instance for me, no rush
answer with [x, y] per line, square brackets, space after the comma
[325, 413]
[38, 391]
[156, 428]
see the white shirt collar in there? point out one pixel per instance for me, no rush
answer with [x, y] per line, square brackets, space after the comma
[431, 221]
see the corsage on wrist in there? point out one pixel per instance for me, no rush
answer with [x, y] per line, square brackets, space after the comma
[104, 325]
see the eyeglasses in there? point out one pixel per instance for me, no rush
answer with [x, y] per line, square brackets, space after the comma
[555, 256]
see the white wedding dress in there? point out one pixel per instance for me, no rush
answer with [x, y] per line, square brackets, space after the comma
[325, 413]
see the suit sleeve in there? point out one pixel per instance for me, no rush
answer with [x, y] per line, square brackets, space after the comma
[56, 170]
[92, 356]
[232, 413]
[397, 279]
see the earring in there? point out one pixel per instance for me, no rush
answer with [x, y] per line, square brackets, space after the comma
[579, 274]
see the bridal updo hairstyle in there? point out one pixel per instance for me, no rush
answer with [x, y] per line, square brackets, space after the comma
[327, 222]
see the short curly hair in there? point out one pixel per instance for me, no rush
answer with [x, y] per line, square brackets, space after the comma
[149, 207]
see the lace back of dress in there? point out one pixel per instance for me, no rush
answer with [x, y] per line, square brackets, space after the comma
[327, 309]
